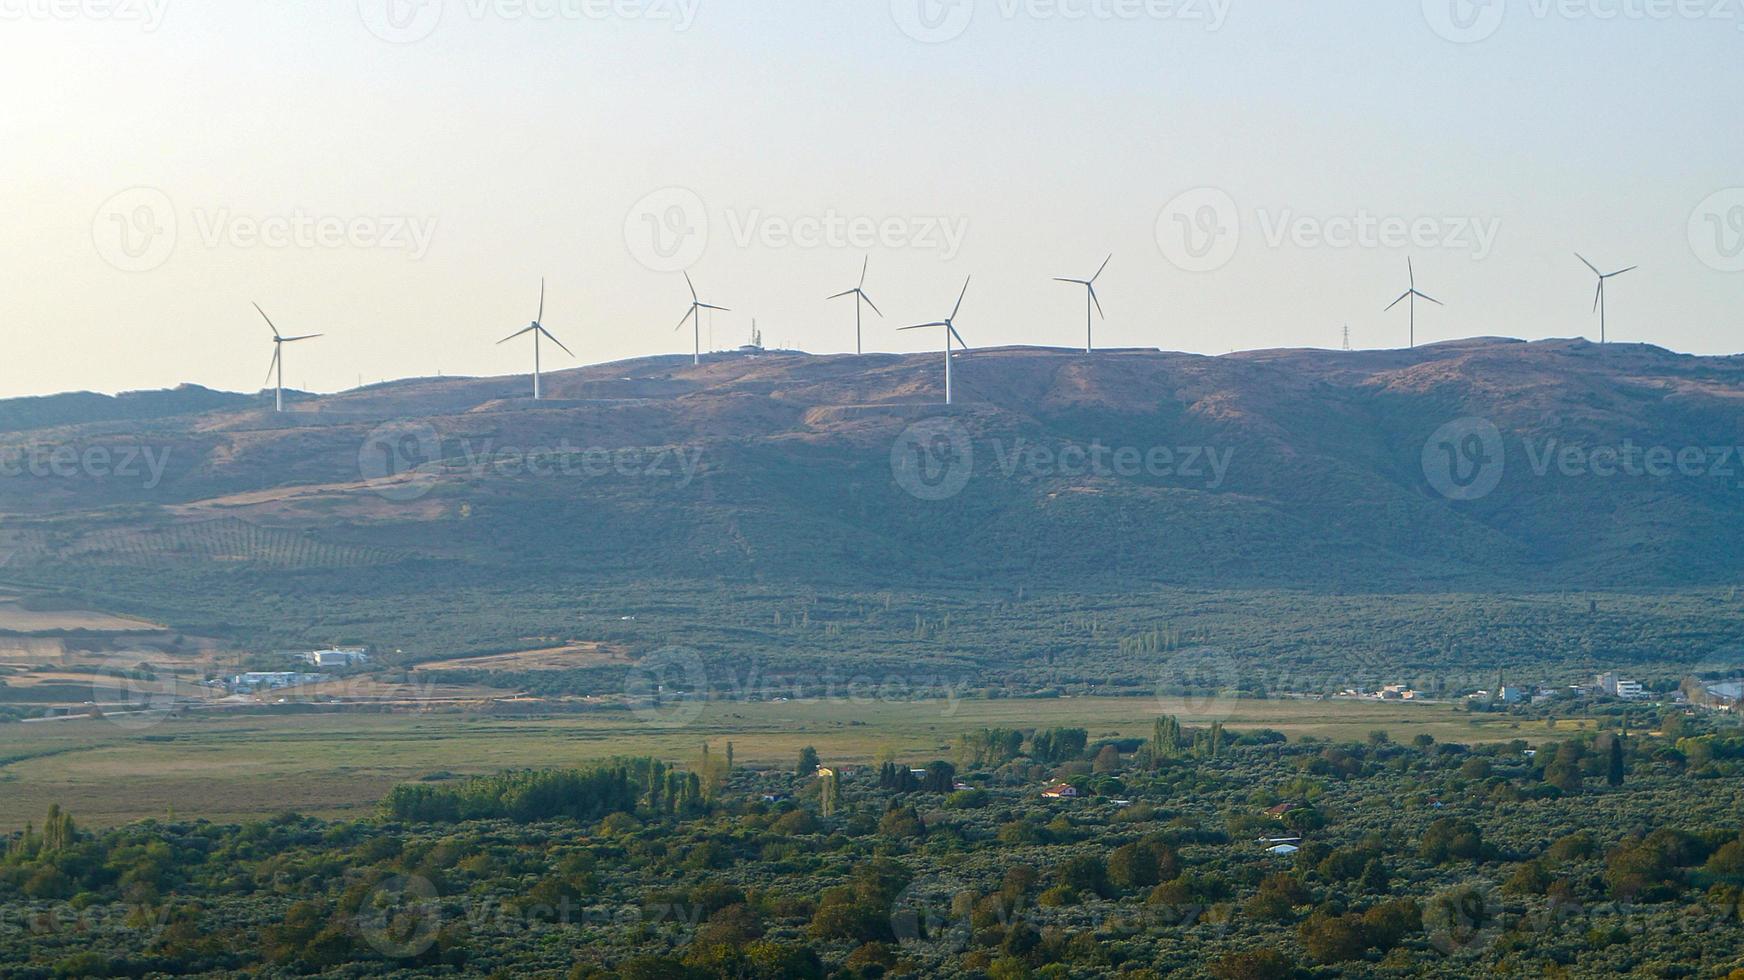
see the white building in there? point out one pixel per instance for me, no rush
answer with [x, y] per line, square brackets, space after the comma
[335, 657]
[274, 680]
[1617, 687]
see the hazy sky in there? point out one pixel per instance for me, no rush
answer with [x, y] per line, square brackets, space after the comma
[398, 174]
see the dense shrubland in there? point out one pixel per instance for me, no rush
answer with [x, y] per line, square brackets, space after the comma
[1597, 854]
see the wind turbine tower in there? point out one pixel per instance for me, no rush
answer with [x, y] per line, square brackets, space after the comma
[1091, 299]
[277, 368]
[860, 297]
[1413, 295]
[1599, 298]
[950, 325]
[695, 318]
[537, 329]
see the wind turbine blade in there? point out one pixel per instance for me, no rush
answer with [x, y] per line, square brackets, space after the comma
[1104, 268]
[554, 340]
[840, 295]
[307, 336]
[1098, 302]
[519, 333]
[864, 267]
[685, 320]
[1396, 302]
[274, 366]
[1411, 267]
[1589, 265]
[1598, 294]
[960, 341]
[1616, 274]
[1430, 298]
[541, 317]
[1075, 282]
[268, 319]
[923, 326]
[692, 286]
[869, 302]
[959, 307]
[708, 307]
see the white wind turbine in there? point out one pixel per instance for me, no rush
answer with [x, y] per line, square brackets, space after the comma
[1599, 299]
[1090, 287]
[695, 316]
[859, 294]
[1413, 295]
[950, 325]
[277, 367]
[537, 329]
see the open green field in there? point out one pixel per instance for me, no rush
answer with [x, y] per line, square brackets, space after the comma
[234, 768]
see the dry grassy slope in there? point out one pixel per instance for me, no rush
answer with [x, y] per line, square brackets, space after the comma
[1325, 488]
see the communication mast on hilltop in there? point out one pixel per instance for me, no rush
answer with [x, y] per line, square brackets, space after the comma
[1347, 336]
